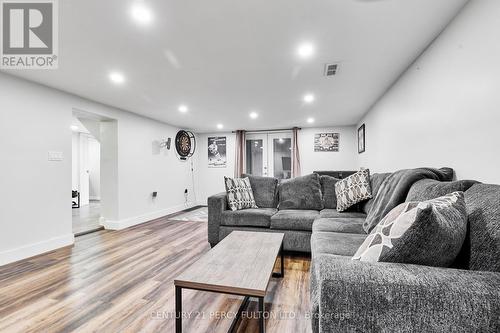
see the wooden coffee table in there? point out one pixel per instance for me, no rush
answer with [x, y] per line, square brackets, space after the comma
[241, 264]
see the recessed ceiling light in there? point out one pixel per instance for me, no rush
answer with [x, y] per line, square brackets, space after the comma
[117, 78]
[183, 108]
[309, 98]
[220, 126]
[74, 128]
[254, 115]
[141, 13]
[305, 50]
[310, 120]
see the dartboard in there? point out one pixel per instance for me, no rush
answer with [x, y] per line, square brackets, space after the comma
[184, 143]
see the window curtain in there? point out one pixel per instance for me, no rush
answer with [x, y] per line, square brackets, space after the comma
[239, 154]
[295, 153]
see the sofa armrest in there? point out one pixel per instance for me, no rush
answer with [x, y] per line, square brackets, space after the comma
[349, 296]
[216, 205]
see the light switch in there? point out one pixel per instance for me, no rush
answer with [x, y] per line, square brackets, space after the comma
[56, 156]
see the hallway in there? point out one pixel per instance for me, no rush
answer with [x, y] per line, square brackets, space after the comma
[86, 218]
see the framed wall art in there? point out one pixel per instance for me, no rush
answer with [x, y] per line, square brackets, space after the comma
[326, 142]
[361, 139]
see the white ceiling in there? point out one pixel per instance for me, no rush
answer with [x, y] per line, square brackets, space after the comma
[225, 58]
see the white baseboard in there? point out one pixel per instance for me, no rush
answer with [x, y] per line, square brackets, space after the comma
[95, 198]
[30, 250]
[130, 222]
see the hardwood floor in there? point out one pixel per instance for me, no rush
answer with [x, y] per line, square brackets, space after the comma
[87, 218]
[122, 281]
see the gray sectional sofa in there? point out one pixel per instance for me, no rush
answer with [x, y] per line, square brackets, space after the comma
[296, 224]
[354, 296]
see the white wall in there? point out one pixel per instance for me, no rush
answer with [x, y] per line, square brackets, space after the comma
[36, 119]
[445, 110]
[211, 180]
[142, 170]
[34, 192]
[345, 159]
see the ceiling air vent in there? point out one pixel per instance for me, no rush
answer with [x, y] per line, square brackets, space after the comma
[331, 69]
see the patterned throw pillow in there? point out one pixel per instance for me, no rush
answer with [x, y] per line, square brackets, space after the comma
[429, 233]
[239, 193]
[353, 189]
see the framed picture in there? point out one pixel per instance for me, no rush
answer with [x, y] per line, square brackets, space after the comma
[361, 139]
[326, 142]
[217, 157]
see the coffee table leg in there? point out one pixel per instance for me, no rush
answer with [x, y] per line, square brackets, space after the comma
[282, 262]
[262, 324]
[178, 309]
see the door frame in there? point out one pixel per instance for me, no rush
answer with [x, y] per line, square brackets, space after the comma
[268, 148]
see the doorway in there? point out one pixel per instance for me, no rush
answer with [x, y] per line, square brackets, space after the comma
[269, 154]
[86, 176]
[95, 171]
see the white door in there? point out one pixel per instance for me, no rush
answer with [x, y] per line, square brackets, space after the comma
[280, 155]
[256, 154]
[94, 169]
[84, 169]
[269, 154]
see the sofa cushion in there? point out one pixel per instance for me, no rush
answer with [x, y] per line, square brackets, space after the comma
[294, 240]
[346, 226]
[239, 193]
[335, 243]
[294, 219]
[481, 250]
[427, 189]
[333, 213]
[301, 193]
[252, 217]
[353, 296]
[328, 191]
[265, 191]
[353, 189]
[429, 233]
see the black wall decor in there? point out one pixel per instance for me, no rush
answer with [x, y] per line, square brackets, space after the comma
[361, 139]
[185, 144]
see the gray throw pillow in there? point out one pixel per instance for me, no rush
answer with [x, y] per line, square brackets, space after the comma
[353, 189]
[328, 191]
[301, 193]
[429, 233]
[481, 251]
[239, 193]
[265, 190]
[427, 189]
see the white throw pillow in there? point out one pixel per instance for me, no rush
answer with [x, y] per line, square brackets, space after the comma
[353, 189]
[239, 193]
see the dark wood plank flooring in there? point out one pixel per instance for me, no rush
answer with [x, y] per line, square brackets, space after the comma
[122, 281]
